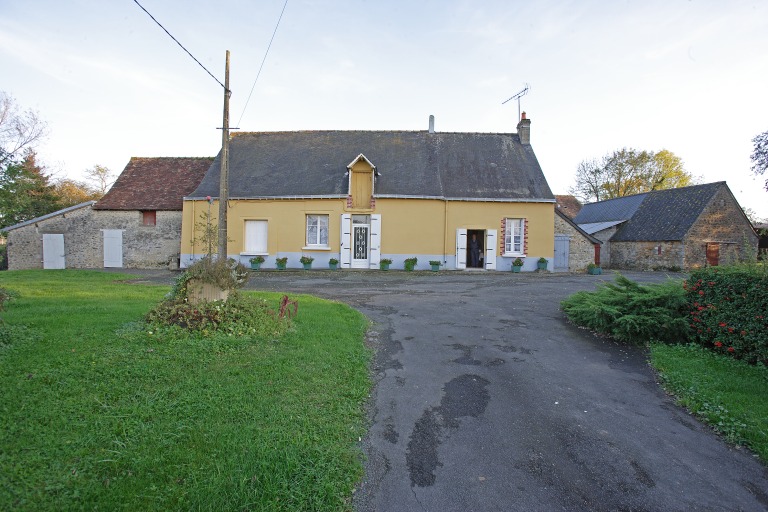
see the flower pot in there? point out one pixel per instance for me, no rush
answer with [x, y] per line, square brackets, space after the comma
[255, 266]
[435, 268]
[281, 266]
[333, 266]
[516, 268]
[541, 265]
[409, 267]
[595, 271]
[307, 266]
[384, 266]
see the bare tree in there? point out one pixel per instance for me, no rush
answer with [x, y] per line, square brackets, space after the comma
[19, 130]
[101, 177]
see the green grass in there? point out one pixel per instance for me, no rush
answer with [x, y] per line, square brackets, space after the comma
[96, 413]
[729, 395]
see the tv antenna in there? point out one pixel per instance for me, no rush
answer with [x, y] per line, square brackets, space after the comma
[517, 97]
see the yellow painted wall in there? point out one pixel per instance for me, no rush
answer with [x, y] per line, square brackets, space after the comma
[409, 226]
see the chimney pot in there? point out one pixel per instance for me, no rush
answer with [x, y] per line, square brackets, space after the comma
[522, 116]
[431, 124]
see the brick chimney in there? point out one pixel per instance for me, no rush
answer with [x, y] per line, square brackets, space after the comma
[524, 130]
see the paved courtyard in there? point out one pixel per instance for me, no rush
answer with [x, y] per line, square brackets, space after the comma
[487, 399]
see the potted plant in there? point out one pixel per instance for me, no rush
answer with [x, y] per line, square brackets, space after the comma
[594, 269]
[307, 262]
[435, 265]
[542, 263]
[281, 263]
[333, 263]
[410, 263]
[384, 263]
[517, 265]
[256, 262]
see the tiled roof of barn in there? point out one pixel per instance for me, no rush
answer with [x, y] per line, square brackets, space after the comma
[158, 183]
[491, 166]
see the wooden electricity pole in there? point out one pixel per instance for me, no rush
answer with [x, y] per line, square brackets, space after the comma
[224, 178]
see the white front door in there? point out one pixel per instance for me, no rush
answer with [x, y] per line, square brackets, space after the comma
[113, 248]
[53, 251]
[361, 238]
[461, 249]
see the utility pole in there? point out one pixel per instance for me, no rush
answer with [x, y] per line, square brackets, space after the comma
[224, 178]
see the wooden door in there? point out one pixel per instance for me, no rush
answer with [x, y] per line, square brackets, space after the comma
[713, 254]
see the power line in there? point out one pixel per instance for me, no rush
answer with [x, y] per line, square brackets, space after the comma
[181, 45]
[262, 62]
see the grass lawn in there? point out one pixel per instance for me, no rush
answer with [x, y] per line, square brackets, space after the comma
[729, 395]
[96, 413]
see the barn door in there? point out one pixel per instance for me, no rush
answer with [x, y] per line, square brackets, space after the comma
[375, 240]
[490, 249]
[562, 251]
[113, 248]
[345, 251]
[461, 249]
[713, 254]
[53, 251]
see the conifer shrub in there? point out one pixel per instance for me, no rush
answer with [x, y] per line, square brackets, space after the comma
[632, 312]
[728, 310]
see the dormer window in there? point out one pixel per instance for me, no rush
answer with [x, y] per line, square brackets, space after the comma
[362, 178]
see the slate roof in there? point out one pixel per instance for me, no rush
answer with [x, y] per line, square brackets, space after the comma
[621, 208]
[653, 216]
[158, 183]
[409, 164]
[667, 214]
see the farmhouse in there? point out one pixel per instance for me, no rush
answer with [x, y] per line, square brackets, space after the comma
[363, 196]
[681, 228]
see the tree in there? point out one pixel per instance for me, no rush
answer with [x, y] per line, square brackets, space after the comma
[19, 130]
[102, 178]
[759, 156]
[71, 192]
[629, 171]
[25, 191]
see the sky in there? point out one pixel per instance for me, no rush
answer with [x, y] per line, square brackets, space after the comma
[688, 76]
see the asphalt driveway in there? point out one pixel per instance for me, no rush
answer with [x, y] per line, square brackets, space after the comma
[487, 399]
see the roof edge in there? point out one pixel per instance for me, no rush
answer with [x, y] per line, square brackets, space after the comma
[48, 216]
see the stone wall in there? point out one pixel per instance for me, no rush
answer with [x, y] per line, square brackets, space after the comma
[647, 255]
[581, 251]
[722, 222]
[143, 246]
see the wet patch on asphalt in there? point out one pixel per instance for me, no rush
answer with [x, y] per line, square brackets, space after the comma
[463, 396]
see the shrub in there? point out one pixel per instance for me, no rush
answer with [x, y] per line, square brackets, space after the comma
[240, 315]
[410, 263]
[632, 312]
[728, 310]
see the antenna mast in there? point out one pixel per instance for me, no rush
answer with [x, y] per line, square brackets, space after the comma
[517, 97]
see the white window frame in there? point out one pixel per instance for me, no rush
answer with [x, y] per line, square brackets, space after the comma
[511, 225]
[252, 247]
[317, 241]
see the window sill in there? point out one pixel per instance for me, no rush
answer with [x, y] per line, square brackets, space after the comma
[316, 248]
[513, 255]
[254, 254]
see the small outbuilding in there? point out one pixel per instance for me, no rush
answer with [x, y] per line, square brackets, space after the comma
[679, 228]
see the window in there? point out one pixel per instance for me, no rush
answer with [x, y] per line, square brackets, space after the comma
[149, 218]
[317, 230]
[255, 237]
[514, 236]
